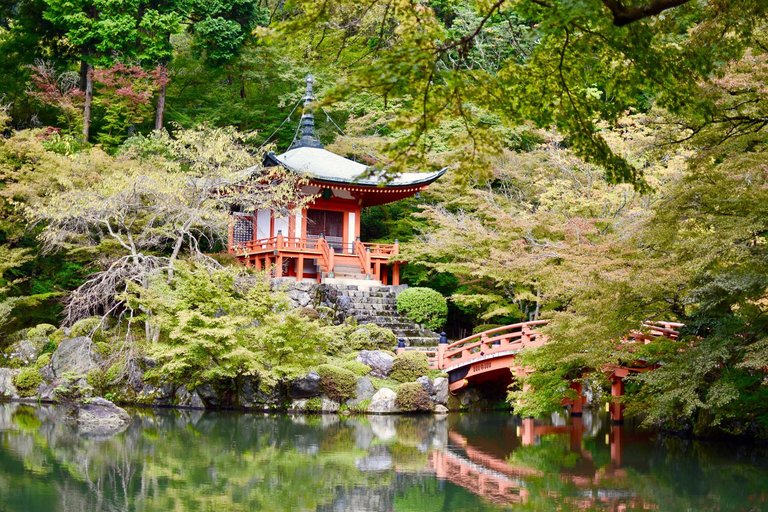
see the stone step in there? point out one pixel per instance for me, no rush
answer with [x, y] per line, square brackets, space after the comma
[421, 342]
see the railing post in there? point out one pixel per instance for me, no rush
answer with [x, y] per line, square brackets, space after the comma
[396, 247]
[280, 240]
[617, 391]
[442, 346]
[367, 260]
[525, 334]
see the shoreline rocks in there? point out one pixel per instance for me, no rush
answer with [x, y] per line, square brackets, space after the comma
[101, 418]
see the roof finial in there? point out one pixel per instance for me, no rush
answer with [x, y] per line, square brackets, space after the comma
[308, 138]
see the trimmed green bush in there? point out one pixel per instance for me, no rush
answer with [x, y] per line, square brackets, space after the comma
[372, 337]
[424, 306]
[412, 397]
[409, 366]
[337, 383]
[356, 367]
[28, 380]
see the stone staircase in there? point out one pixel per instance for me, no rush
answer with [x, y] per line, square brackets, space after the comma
[377, 305]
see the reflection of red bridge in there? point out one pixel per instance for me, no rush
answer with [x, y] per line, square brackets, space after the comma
[500, 481]
[490, 356]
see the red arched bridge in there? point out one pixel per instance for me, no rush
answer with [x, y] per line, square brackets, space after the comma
[490, 356]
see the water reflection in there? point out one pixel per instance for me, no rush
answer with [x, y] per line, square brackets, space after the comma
[190, 460]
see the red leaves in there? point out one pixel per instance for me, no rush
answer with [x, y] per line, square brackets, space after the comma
[128, 82]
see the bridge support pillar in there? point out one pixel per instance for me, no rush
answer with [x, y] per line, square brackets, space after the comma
[528, 433]
[577, 404]
[616, 407]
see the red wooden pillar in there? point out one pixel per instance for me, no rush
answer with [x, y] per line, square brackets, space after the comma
[396, 274]
[257, 262]
[615, 440]
[617, 391]
[577, 404]
[528, 432]
[576, 434]
[300, 268]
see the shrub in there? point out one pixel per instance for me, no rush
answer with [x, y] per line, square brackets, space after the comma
[411, 397]
[423, 306]
[28, 380]
[409, 366]
[356, 367]
[372, 337]
[337, 383]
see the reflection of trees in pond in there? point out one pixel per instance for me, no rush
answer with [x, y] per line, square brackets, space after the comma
[171, 461]
[190, 460]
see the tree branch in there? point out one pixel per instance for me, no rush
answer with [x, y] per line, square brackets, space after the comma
[623, 15]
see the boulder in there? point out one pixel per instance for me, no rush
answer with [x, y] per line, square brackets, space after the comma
[185, 398]
[74, 356]
[212, 396]
[7, 388]
[251, 396]
[439, 393]
[313, 405]
[364, 390]
[23, 353]
[379, 361]
[426, 383]
[100, 417]
[305, 387]
[383, 402]
[440, 409]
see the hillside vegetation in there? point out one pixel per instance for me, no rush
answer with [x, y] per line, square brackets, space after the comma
[607, 165]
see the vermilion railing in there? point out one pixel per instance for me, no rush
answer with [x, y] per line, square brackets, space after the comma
[363, 256]
[512, 337]
[380, 250]
[326, 255]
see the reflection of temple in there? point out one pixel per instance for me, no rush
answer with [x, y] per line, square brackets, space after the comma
[501, 480]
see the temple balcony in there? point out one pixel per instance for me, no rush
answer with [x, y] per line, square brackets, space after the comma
[324, 259]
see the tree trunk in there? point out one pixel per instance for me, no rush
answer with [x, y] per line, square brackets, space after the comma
[160, 110]
[88, 101]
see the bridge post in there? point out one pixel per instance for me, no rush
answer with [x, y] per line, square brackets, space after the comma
[577, 404]
[442, 346]
[615, 442]
[617, 391]
[528, 432]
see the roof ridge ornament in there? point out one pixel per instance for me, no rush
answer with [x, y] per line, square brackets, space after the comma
[308, 137]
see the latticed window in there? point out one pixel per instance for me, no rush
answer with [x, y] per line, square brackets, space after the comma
[243, 230]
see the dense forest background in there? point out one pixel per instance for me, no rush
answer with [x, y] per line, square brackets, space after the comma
[608, 164]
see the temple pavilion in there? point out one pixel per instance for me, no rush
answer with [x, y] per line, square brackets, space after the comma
[322, 242]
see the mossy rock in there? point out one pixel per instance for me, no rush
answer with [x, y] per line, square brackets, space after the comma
[411, 397]
[27, 381]
[409, 366]
[337, 383]
[356, 367]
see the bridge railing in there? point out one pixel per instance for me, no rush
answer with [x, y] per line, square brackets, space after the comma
[493, 341]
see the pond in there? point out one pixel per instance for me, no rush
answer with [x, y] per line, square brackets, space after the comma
[172, 460]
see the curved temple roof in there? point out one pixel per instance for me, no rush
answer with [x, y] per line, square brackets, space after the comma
[319, 164]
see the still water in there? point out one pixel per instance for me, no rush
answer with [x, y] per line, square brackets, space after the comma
[201, 461]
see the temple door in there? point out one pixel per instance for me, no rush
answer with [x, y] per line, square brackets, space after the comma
[328, 223]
